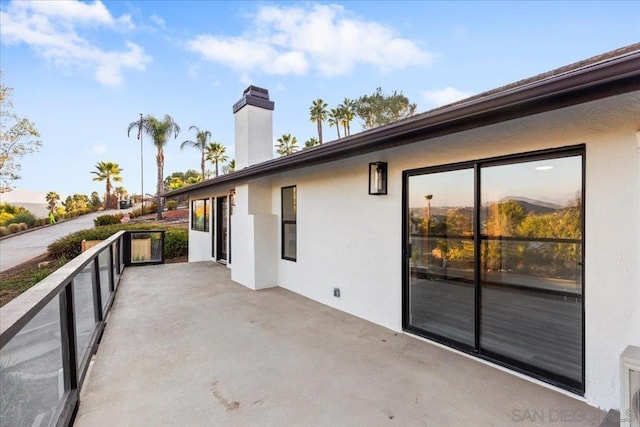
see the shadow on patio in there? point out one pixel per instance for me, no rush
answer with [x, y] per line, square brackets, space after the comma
[184, 345]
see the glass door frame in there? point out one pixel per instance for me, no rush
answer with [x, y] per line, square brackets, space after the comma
[222, 219]
[476, 350]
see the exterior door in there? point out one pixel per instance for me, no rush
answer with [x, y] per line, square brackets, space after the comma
[493, 261]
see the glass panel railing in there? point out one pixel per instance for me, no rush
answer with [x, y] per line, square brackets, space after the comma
[84, 311]
[38, 377]
[115, 267]
[103, 263]
[121, 241]
[146, 247]
[31, 375]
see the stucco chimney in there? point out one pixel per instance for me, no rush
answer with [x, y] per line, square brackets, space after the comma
[254, 127]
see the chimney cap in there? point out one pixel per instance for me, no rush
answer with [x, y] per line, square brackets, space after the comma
[256, 96]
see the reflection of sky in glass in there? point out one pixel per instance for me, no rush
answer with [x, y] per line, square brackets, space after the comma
[553, 180]
[452, 188]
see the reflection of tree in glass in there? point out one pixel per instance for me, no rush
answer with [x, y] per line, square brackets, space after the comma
[454, 230]
[536, 254]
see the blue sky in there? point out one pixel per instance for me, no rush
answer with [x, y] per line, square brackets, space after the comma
[82, 71]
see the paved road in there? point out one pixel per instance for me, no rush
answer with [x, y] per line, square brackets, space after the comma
[18, 249]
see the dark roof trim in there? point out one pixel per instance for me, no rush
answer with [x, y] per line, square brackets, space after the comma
[609, 77]
[256, 96]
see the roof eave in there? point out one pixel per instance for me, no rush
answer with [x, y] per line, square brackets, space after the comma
[609, 77]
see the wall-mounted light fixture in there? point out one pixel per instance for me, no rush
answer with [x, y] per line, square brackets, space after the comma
[377, 178]
[232, 197]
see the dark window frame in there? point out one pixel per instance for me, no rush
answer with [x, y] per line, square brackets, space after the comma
[477, 165]
[284, 222]
[207, 215]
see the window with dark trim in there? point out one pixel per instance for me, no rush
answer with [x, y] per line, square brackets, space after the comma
[289, 209]
[200, 215]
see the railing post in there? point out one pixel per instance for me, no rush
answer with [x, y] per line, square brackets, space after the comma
[117, 260]
[126, 250]
[162, 245]
[68, 337]
[111, 275]
[97, 298]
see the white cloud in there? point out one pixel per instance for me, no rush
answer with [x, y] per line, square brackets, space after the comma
[50, 29]
[295, 40]
[158, 21]
[444, 96]
[99, 149]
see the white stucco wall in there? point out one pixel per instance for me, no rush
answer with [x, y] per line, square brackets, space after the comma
[351, 240]
[200, 241]
[253, 136]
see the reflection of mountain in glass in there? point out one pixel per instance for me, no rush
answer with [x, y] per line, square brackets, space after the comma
[517, 234]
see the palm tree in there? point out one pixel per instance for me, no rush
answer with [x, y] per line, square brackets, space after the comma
[334, 119]
[159, 131]
[318, 112]
[348, 113]
[216, 153]
[202, 138]
[52, 199]
[229, 167]
[107, 171]
[122, 193]
[287, 145]
[311, 142]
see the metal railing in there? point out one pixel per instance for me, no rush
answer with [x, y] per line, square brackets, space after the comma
[49, 333]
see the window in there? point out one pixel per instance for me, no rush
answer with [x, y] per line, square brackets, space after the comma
[494, 261]
[200, 215]
[289, 208]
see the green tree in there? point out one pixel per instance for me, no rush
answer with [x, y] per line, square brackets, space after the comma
[159, 131]
[108, 171]
[335, 119]
[95, 201]
[347, 114]
[180, 179]
[202, 139]
[318, 113]
[52, 200]
[77, 204]
[216, 153]
[287, 145]
[311, 142]
[379, 109]
[18, 137]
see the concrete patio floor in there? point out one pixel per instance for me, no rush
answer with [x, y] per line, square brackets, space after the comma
[184, 345]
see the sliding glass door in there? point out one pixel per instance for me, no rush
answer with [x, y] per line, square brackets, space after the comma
[494, 260]
[441, 270]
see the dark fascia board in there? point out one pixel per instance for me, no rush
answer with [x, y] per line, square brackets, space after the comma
[610, 77]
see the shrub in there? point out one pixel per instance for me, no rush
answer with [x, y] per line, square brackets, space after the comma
[137, 212]
[23, 226]
[70, 246]
[172, 205]
[42, 221]
[107, 219]
[25, 217]
[5, 218]
[3, 230]
[176, 242]
[14, 228]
